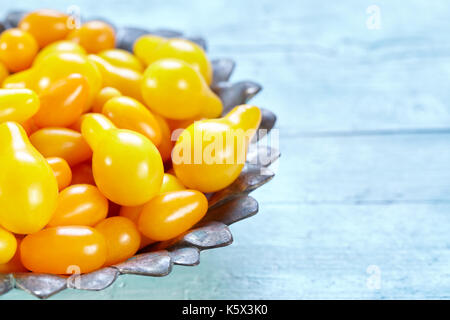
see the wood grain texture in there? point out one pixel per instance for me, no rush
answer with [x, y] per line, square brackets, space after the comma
[364, 126]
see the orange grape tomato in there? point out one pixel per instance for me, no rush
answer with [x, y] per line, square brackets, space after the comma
[170, 214]
[46, 25]
[62, 171]
[122, 239]
[29, 126]
[59, 65]
[128, 113]
[82, 174]
[103, 96]
[94, 36]
[79, 204]
[17, 49]
[131, 213]
[15, 264]
[63, 143]
[64, 250]
[8, 246]
[63, 102]
[166, 144]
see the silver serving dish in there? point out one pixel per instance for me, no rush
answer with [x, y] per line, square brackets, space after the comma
[225, 207]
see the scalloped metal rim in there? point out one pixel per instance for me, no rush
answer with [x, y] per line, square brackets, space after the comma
[226, 206]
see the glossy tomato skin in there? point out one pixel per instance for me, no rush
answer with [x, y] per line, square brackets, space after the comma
[17, 49]
[122, 239]
[126, 165]
[62, 171]
[64, 250]
[103, 96]
[79, 204]
[8, 246]
[63, 143]
[126, 80]
[170, 214]
[122, 58]
[59, 65]
[175, 90]
[58, 47]
[150, 48]
[128, 113]
[94, 36]
[15, 264]
[18, 104]
[28, 185]
[217, 166]
[63, 102]
[46, 25]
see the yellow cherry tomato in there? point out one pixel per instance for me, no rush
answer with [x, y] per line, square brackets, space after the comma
[210, 154]
[59, 65]
[128, 113]
[171, 213]
[171, 183]
[175, 90]
[64, 250]
[104, 95]
[126, 165]
[126, 80]
[79, 204]
[145, 46]
[63, 102]
[122, 239]
[149, 49]
[59, 46]
[15, 264]
[28, 187]
[19, 80]
[63, 143]
[46, 25]
[122, 58]
[18, 104]
[17, 49]
[62, 171]
[94, 36]
[8, 246]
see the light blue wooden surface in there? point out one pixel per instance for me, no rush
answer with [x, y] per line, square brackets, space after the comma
[364, 121]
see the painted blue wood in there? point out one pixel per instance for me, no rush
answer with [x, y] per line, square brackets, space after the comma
[360, 204]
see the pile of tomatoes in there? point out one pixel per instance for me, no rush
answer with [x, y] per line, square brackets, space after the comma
[104, 151]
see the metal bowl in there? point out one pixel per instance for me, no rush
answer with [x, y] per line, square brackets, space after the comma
[226, 207]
